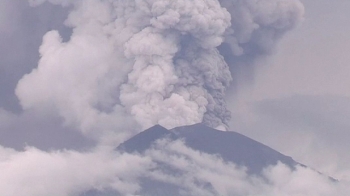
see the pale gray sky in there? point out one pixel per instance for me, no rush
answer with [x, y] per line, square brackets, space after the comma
[299, 101]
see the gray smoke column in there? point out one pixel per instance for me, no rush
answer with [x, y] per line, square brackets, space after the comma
[179, 77]
[150, 61]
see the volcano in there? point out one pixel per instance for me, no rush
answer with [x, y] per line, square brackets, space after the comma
[229, 145]
[174, 169]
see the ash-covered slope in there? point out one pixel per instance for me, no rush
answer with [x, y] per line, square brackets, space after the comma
[231, 146]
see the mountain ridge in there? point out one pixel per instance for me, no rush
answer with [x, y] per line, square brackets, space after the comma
[229, 145]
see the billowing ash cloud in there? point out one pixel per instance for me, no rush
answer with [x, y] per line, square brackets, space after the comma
[152, 61]
[258, 25]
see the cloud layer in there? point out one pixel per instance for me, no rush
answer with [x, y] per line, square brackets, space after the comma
[64, 173]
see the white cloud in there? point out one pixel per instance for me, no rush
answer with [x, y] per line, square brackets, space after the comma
[67, 173]
[63, 173]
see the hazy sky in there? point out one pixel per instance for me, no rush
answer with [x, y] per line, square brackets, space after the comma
[295, 100]
[299, 100]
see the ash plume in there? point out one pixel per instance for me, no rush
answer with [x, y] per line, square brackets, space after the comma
[150, 62]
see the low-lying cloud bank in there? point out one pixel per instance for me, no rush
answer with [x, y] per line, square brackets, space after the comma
[68, 173]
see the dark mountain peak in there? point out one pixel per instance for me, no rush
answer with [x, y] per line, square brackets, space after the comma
[231, 146]
[144, 140]
[194, 127]
[157, 127]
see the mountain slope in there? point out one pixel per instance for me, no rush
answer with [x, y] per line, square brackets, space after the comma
[231, 146]
[198, 160]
